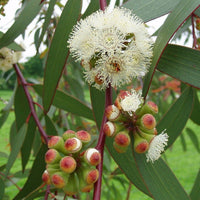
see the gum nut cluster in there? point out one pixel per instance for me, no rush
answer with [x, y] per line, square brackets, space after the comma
[129, 116]
[68, 166]
[113, 46]
[8, 58]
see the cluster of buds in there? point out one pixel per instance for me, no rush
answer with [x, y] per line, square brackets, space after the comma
[129, 116]
[69, 167]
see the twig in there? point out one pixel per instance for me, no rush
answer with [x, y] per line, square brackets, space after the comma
[30, 102]
[193, 33]
[129, 191]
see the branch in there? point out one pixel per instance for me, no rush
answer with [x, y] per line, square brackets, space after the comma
[100, 146]
[30, 102]
[193, 33]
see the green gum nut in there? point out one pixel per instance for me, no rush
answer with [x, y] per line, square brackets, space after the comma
[59, 179]
[141, 145]
[146, 122]
[57, 142]
[118, 148]
[52, 156]
[68, 134]
[149, 107]
[83, 136]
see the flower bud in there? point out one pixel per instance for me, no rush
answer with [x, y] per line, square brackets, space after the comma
[52, 156]
[46, 177]
[57, 142]
[52, 168]
[87, 188]
[149, 107]
[111, 128]
[92, 156]
[68, 134]
[73, 145]
[147, 121]
[112, 113]
[59, 179]
[83, 136]
[68, 164]
[92, 176]
[141, 145]
[119, 149]
[122, 139]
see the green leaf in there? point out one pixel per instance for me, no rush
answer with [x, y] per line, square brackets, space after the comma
[181, 63]
[67, 102]
[46, 21]
[196, 110]
[193, 138]
[22, 110]
[174, 20]
[176, 117]
[35, 177]
[98, 104]
[160, 180]
[28, 142]
[195, 193]
[50, 127]
[29, 11]
[14, 46]
[148, 10]
[58, 52]
[2, 188]
[16, 147]
[183, 142]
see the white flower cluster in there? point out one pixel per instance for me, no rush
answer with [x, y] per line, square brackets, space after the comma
[157, 146]
[113, 47]
[7, 58]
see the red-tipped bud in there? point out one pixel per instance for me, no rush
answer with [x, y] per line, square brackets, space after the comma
[148, 108]
[92, 156]
[68, 134]
[57, 142]
[153, 107]
[59, 179]
[141, 145]
[112, 113]
[52, 156]
[68, 164]
[46, 177]
[118, 148]
[83, 136]
[147, 121]
[122, 139]
[73, 145]
[111, 128]
[92, 176]
[87, 188]
[122, 94]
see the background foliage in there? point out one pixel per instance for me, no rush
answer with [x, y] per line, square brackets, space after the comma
[68, 103]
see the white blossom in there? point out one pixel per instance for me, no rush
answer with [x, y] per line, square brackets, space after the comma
[113, 46]
[131, 102]
[157, 146]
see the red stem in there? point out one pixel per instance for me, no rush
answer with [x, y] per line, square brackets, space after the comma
[193, 33]
[30, 102]
[100, 146]
[103, 4]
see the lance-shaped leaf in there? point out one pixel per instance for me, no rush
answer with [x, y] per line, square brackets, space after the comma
[180, 13]
[195, 193]
[2, 188]
[19, 139]
[193, 138]
[35, 177]
[58, 51]
[181, 63]
[69, 103]
[195, 115]
[148, 10]
[176, 117]
[46, 21]
[29, 11]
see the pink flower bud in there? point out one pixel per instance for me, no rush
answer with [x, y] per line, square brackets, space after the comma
[148, 121]
[52, 156]
[112, 113]
[92, 176]
[122, 139]
[59, 179]
[92, 156]
[57, 142]
[46, 177]
[68, 164]
[68, 134]
[73, 145]
[83, 136]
